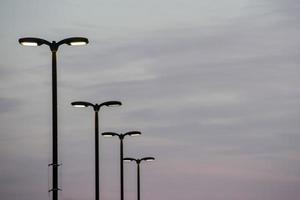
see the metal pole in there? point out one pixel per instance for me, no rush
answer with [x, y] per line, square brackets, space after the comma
[96, 156]
[138, 181]
[54, 128]
[121, 168]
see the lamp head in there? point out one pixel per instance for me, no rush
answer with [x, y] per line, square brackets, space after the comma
[109, 134]
[30, 41]
[76, 41]
[148, 159]
[133, 133]
[112, 103]
[81, 104]
[129, 159]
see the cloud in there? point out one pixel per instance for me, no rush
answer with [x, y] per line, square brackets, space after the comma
[9, 104]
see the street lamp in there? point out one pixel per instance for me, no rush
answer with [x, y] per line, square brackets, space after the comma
[73, 41]
[96, 108]
[138, 161]
[121, 137]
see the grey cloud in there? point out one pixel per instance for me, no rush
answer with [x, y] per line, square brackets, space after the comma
[288, 8]
[9, 104]
[227, 63]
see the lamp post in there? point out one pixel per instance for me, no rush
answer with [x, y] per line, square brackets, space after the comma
[138, 161]
[121, 137]
[73, 41]
[96, 108]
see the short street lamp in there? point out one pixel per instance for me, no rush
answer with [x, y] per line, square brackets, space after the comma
[138, 161]
[73, 41]
[121, 137]
[96, 108]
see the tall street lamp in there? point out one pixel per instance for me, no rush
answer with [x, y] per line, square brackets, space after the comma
[121, 137]
[96, 108]
[73, 41]
[138, 161]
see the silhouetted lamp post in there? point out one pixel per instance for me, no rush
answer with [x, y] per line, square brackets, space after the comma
[138, 161]
[73, 41]
[96, 108]
[121, 137]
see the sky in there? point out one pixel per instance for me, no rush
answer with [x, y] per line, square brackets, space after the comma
[212, 85]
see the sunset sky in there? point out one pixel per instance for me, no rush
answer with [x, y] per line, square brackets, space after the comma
[214, 87]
